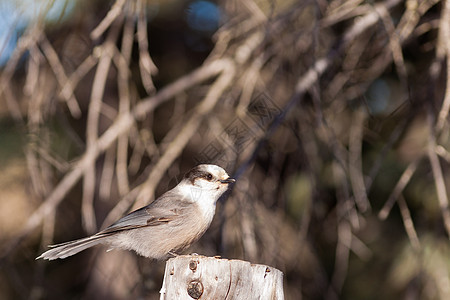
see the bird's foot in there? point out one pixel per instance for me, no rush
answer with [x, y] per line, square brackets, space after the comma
[173, 254]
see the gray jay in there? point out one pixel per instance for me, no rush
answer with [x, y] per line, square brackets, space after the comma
[169, 224]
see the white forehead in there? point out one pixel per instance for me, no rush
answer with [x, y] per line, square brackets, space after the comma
[214, 170]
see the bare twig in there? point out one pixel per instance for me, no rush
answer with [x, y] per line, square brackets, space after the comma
[360, 249]
[121, 125]
[69, 86]
[355, 161]
[27, 41]
[393, 138]
[408, 223]
[110, 17]
[146, 65]
[191, 126]
[319, 67]
[395, 44]
[250, 78]
[341, 259]
[443, 50]
[124, 101]
[398, 189]
[315, 61]
[60, 75]
[95, 104]
[438, 176]
[107, 174]
[442, 152]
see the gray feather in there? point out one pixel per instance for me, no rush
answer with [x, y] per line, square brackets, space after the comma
[150, 215]
[172, 222]
[70, 248]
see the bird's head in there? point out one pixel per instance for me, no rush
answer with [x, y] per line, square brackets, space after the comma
[206, 181]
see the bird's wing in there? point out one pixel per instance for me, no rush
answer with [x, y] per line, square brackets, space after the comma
[153, 214]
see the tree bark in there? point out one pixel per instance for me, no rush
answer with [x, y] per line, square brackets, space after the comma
[199, 277]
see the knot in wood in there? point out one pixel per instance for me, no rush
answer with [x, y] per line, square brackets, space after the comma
[193, 265]
[195, 289]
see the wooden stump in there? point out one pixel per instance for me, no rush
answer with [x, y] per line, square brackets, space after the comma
[199, 277]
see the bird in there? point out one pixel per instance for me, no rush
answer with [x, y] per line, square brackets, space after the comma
[166, 226]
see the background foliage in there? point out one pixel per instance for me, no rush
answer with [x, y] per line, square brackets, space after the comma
[332, 115]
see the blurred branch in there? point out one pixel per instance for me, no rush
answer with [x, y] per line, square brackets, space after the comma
[27, 41]
[344, 213]
[408, 223]
[92, 123]
[298, 77]
[355, 161]
[438, 176]
[120, 126]
[90, 61]
[227, 73]
[60, 75]
[442, 52]
[107, 174]
[442, 152]
[320, 66]
[146, 65]
[115, 11]
[395, 45]
[398, 189]
[124, 100]
[381, 155]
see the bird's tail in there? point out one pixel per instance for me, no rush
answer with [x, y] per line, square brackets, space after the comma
[73, 247]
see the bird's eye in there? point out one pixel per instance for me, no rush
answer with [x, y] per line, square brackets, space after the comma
[209, 177]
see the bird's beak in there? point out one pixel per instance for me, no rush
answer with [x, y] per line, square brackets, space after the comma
[228, 180]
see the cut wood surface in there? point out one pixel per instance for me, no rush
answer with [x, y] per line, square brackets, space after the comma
[201, 277]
